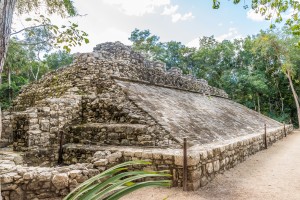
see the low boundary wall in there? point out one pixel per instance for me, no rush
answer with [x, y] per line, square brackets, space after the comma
[204, 162]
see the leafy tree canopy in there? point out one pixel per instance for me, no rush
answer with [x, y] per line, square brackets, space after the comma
[61, 7]
[273, 10]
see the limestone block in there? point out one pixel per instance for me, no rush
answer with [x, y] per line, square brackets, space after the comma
[33, 120]
[147, 154]
[210, 153]
[34, 185]
[196, 174]
[60, 181]
[216, 165]
[44, 176]
[101, 154]
[114, 156]
[203, 181]
[138, 154]
[178, 160]
[8, 177]
[46, 109]
[32, 115]
[193, 159]
[74, 173]
[203, 155]
[28, 176]
[5, 187]
[101, 162]
[45, 125]
[209, 168]
[157, 155]
[34, 127]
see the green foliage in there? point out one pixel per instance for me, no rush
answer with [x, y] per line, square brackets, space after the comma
[44, 33]
[146, 43]
[173, 53]
[61, 7]
[116, 182]
[58, 59]
[275, 10]
[23, 65]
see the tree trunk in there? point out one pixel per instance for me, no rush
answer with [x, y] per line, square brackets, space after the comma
[294, 94]
[9, 85]
[6, 15]
[258, 103]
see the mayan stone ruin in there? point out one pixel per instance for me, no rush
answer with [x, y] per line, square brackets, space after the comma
[113, 105]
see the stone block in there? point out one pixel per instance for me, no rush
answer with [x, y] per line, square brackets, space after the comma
[209, 168]
[216, 165]
[45, 125]
[60, 181]
[44, 176]
[193, 159]
[114, 156]
[74, 173]
[203, 181]
[101, 162]
[203, 155]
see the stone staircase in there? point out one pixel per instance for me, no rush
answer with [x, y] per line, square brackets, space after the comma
[82, 141]
[107, 134]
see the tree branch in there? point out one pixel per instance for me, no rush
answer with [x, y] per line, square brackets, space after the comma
[36, 43]
[31, 27]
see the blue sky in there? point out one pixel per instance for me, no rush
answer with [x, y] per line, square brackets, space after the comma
[180, 20]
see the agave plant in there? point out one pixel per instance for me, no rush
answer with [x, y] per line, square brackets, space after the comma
[116, 182]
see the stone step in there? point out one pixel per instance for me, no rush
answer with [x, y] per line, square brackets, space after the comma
[109, 134]
[82, 153]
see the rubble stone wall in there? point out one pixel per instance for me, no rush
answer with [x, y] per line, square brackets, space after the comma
[7, 129]
[109, 60]
[205, 162]
[203, 165]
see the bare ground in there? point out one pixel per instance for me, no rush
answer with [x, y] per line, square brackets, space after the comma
[272, 174]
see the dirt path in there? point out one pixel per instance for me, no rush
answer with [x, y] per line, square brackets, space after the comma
[272, 174]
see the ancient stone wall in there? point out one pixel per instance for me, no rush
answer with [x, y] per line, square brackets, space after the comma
[109, 60]
[89, 84]
[207, 161]
[7, 129]
[203, 164]
[204, 161]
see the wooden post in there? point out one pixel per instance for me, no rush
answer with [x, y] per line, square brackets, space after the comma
[284, 129]
[266, 142]
[185, 170]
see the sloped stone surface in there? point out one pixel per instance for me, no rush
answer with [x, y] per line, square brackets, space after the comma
[201, 118]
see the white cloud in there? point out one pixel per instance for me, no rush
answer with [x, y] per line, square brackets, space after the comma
[232, 34]
[109, 34]
[170, 10]
[143, 7]
[255, 15]
[182, 17]
[193, 43]
[251, 14]
[220, 24]
[176, 16]
[137, 7]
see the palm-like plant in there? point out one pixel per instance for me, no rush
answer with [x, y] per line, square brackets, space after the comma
[116, 182]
